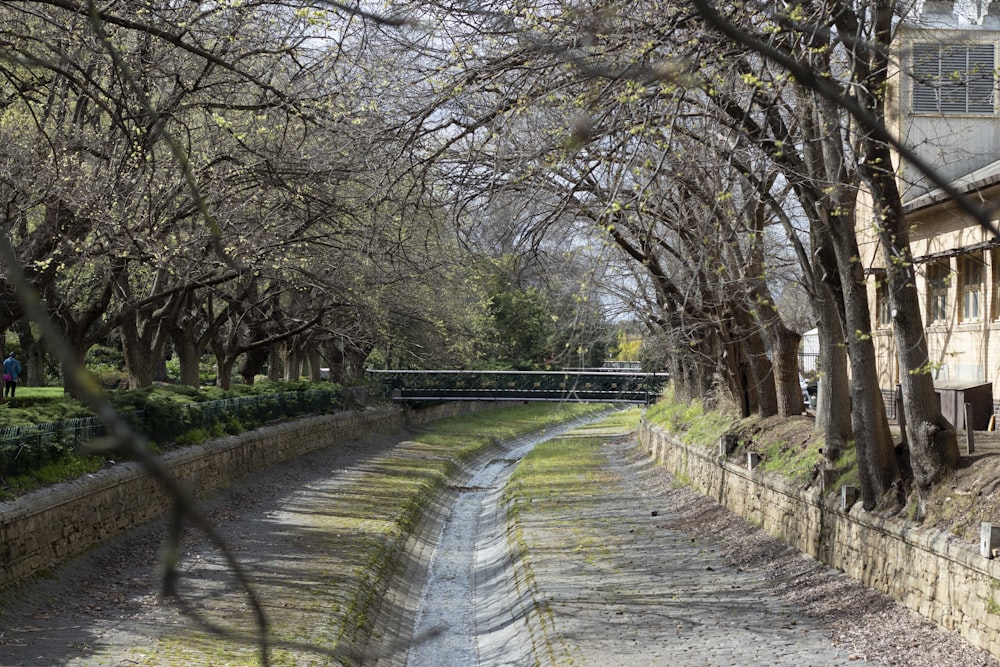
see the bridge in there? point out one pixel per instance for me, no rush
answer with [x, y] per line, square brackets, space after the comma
[593, 385]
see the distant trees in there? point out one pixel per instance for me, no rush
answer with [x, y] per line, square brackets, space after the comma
[581, 112]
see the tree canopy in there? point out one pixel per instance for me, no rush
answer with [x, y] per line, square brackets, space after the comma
[288, 185]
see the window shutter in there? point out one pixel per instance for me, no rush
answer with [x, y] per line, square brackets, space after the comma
[926, 77]
[953, 79]
[952, 92]
[980, 78]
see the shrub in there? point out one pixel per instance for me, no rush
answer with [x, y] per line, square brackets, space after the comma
[192, 437]
[42, 433]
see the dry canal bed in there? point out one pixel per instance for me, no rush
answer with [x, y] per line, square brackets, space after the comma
[581, 552]
[318, 536]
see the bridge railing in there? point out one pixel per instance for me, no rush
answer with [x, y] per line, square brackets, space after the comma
[588, 385]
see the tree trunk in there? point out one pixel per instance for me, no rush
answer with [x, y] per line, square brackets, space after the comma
[78, 344]
[143, 333]
[141, 366]
[32, 356]
[932, 439]
[835, 241]
[737, 377]
[292, 349]
[763, 387]
[335, 360]
[877, 465]
[315, 364]
[790, 400]
[833, 409]
[253, 364]
[355, 362]
[189, 355]
[783, 344]
[80, 332]
[224, 366]
[732, 367]
[140, 354]
[274, 364]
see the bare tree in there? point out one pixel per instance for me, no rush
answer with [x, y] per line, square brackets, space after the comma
[856, 91]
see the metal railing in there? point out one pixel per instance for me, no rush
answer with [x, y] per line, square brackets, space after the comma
[599, 386]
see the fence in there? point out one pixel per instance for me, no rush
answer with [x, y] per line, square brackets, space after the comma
[26, 448]
[807, 362]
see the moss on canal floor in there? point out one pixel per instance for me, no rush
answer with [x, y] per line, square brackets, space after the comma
[321, 561]
[564, 472]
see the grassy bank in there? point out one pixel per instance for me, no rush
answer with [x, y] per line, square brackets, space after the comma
[788, 446]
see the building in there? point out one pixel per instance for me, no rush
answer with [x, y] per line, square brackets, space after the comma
[946, 108]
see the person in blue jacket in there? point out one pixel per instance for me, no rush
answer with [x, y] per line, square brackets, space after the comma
[11, 373]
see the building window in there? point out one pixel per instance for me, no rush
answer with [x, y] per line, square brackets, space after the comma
[970, 277]
[883, 302]
[938, 274]
[953, 78]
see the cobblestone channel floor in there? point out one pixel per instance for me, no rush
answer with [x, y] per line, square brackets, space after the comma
[637, 571]
[644, 571]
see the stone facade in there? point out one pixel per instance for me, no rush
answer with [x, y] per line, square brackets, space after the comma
[52, 524]
[933, 573]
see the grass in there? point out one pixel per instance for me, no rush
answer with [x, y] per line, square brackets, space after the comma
[69, 466]
[690, 420]
[796, 463]
[848, 465]
[38, 392]
[568, 465]
[557, 469]
[789, 447]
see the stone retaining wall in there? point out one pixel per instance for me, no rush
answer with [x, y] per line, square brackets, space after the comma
[934, 573]
[47, 526]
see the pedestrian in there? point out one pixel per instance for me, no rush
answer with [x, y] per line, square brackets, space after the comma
[11, 373]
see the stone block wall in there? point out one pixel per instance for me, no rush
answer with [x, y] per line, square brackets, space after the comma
[934, 573]
[52, 524]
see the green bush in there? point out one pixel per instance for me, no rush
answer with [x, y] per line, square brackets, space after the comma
[29, 409]
[234, 426]
[40, 431]
[193, 437]
[67, 466]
